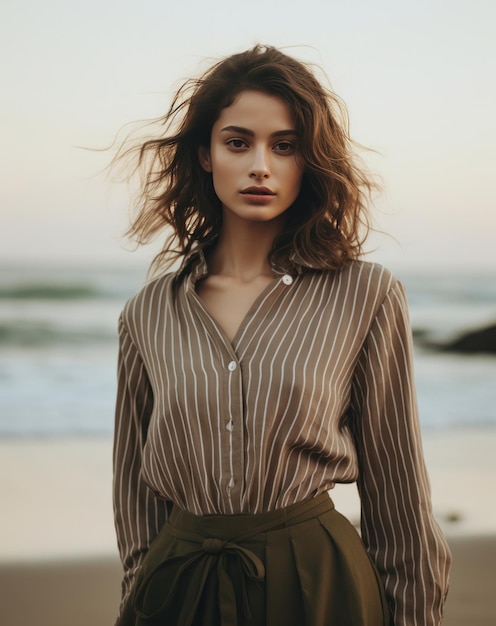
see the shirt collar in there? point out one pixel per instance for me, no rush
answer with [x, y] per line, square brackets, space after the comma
[194, 264]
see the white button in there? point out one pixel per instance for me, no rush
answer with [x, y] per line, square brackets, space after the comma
[230, 426]
[287, 279]
[232, 366]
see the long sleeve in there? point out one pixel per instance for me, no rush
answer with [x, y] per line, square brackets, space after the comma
[138, 513]
[398, 527]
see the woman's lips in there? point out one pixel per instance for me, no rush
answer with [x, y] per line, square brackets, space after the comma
[258, 191]
[258, 195]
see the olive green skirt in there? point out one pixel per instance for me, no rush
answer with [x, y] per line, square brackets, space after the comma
[304, 565]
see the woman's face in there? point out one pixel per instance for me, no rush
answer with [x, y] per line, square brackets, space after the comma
[253, 158]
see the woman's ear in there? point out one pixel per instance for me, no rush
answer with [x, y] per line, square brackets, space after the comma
[204, 158]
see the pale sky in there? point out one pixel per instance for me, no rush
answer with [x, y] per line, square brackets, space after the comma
[418, 78]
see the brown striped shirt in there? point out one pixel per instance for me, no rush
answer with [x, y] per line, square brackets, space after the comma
[316, 388]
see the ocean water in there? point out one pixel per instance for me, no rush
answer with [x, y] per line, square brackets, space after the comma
[58, 347]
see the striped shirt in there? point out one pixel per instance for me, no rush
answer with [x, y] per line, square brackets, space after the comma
[316, 388]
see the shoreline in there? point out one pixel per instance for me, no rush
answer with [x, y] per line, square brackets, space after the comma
[56, 493]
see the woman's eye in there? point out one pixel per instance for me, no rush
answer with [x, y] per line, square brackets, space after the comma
[284, 146]
[236, 143]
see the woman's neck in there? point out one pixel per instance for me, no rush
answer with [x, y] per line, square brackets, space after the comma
[243, 249]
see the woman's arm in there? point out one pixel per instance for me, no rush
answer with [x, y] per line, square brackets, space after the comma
[138, 513]
[398, 527]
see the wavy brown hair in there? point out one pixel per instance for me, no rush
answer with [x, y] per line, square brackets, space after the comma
[327, 224]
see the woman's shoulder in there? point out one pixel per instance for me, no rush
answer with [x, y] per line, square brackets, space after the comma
[151, 297]
[360, 288]
[363, 288]
[367, 277]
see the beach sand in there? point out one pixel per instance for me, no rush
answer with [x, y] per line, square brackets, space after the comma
[85, 592]
[58, 561]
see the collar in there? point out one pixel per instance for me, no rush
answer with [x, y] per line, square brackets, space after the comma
[194, 264]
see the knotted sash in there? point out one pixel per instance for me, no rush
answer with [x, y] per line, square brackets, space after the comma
[156, 599]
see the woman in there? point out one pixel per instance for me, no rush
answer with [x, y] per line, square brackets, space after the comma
[270, 366]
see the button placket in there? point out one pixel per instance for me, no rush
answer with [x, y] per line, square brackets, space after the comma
[233, 383]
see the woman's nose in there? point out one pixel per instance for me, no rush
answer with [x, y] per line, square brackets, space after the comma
[260, 167]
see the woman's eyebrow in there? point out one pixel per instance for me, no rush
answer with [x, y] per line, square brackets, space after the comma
[250, 133]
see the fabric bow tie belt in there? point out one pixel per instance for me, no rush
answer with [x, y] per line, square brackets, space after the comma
[192, 571]
[189, 572]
